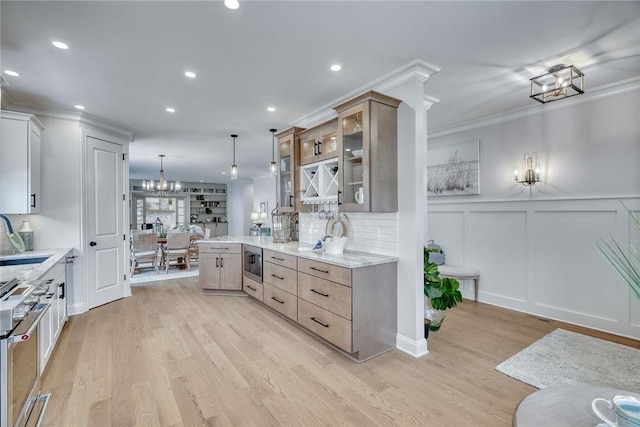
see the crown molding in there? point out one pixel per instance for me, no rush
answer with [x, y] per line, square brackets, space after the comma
[85, 120]
[602, 92]
[414, 70]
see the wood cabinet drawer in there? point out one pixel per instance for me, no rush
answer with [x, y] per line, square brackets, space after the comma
[329, 326]
[253, 288]
[326, 271]
[326, 294]
[285, 260]
[220, 248]
[281, 301]
[280, 277]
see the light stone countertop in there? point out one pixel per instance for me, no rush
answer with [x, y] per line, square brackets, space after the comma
[349, 259]
[28, 272]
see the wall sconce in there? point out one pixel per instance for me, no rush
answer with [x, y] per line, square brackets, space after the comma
[531, 173]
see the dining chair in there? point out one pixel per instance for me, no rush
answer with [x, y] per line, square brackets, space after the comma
[144, 248]
[177, 248]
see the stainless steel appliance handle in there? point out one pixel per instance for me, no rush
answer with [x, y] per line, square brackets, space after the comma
[25, 328]
[25, 420]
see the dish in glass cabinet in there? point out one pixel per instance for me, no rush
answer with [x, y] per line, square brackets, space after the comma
[357, 153]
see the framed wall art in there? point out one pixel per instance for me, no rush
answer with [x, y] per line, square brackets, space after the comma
[454, 170]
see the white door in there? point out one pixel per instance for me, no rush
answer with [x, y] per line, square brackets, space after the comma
[105, 222]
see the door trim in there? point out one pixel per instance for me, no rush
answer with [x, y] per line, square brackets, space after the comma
[88, 131]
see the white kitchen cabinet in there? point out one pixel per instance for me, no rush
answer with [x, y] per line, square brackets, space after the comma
[51, 324]
[20, 163]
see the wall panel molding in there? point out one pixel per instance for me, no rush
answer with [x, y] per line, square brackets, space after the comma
[538, 256]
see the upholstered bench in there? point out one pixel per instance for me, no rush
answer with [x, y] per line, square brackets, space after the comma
[461, 273]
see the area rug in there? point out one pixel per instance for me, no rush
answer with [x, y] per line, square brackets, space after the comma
[150, 275]
[568, 358]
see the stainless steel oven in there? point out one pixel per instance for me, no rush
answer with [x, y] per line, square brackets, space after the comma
[21, 403]
[252, 262]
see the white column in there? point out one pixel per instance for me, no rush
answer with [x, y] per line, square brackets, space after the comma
[412, 157]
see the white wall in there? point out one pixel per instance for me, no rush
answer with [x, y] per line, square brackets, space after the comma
[239, 202]
[534, 246]
[264, 190]
[58, 224]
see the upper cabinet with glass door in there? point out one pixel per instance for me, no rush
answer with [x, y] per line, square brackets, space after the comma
[286, 182]
[319, 143]
[368, 160]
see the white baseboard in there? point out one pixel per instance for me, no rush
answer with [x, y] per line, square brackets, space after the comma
[74, 309]
[412, 347]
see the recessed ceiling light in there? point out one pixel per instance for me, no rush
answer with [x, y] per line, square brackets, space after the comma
[171, 110]
[272, 109]
[60, 45]
[232, 4]
[336, 67]
[190, 74]
[12, 73]
[79, 107]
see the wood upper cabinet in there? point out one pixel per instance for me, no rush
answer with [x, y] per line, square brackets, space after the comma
[319, 143]
[368, 160]
[20, 163]
[288, 187]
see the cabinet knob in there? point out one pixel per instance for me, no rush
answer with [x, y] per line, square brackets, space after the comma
[92, 243]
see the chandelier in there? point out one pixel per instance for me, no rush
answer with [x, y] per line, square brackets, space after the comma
[162, 187]
[561, 81]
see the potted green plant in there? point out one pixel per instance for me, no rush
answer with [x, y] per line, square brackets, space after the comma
[441, 293]
[625, 261]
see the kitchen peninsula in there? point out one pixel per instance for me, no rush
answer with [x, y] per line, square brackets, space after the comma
[347, 300]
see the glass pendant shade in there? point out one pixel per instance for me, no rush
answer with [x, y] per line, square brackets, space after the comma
[234, 167]
[273, 167]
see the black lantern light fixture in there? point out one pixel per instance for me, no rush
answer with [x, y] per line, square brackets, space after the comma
[561, 81]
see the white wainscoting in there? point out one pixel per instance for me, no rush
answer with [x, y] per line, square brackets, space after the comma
[538, 256]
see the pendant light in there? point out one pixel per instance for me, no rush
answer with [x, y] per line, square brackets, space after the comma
[234, 167]
[272, 167]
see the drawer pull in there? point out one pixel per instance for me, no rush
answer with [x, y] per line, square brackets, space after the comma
[277, 259]
[277, 277]
[319, 293]
[319, 322]
[277, 300]
[220, 249]
[251, 287]
[321, 271]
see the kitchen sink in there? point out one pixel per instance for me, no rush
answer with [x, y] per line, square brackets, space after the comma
[22, 261]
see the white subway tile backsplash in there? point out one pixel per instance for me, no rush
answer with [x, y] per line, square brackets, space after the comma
[367, 232]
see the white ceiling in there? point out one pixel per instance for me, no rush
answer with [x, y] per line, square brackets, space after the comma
[126, 64]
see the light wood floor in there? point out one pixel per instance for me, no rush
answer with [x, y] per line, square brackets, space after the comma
[170, 356]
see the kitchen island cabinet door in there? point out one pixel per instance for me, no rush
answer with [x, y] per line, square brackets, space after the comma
[209, 271]
[231, 272]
